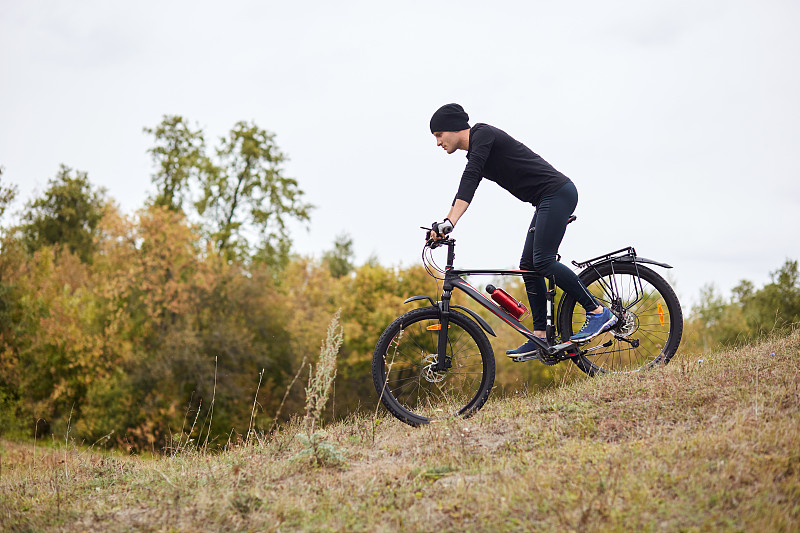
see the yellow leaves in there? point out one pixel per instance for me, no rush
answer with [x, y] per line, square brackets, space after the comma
[152, 265]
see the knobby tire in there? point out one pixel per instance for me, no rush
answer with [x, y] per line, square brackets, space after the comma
[402, 361]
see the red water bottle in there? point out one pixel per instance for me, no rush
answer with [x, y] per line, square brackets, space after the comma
[507, 302]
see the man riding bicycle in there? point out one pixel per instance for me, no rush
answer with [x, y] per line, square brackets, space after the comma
[496, 156]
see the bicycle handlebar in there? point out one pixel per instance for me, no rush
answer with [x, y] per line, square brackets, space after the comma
[431, 242]
[442, 229]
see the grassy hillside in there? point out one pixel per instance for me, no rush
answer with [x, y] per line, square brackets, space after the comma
[704, 444]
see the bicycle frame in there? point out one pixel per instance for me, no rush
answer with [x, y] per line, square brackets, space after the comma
[453, 280]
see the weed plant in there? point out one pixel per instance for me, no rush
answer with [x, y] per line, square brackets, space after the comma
[320, 381]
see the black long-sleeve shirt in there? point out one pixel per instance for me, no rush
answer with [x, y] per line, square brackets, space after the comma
[495, 155]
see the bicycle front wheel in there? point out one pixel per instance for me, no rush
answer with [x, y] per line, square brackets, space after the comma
[649, 331]
[402, 367]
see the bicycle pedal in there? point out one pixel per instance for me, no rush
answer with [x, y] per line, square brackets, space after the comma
[523, 358]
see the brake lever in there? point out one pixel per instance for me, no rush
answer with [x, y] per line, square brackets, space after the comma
[428, 241]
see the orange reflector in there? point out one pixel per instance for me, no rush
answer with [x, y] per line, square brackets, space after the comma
[660, 313]
[436, 327]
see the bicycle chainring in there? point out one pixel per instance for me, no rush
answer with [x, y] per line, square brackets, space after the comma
[548, 359]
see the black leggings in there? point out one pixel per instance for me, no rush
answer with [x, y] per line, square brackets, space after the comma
[540, 251]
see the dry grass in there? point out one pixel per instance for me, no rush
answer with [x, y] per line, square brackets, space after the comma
[695, 446]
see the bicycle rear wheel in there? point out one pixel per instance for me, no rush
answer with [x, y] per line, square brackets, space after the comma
[402, 367]
[649, 331]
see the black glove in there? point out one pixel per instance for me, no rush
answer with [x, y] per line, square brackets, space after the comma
[442, 228]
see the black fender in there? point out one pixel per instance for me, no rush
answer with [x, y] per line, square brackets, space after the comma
[478, 318]
[415, 298]
[475, 316]
[637, 259]
[624, 259]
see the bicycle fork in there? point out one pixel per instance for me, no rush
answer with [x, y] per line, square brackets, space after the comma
[443, 362]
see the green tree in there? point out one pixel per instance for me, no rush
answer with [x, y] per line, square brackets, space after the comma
[743, 290]
[340, 259]
[180, 158]
[749, 313]
[777, 304]
[247, 194]
[7, 195]
[716, 321]
[67, 215]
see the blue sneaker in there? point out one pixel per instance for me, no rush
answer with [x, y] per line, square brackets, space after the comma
[528, 348]
[595, 325]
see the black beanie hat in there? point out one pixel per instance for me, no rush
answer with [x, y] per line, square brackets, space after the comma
[449, 117]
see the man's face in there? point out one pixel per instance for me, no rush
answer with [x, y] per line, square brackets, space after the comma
[448, 140]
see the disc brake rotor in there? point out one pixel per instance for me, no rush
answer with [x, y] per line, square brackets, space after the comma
[630, 323]
[430, 375]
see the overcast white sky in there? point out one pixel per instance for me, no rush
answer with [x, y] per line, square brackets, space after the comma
[679, 121]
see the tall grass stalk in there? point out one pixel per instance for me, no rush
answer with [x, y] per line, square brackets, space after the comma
[177, 447]
[253, 411]
[320, 381]
[385, 382]
[191, 429]
[66, 443]
[286, 395]
[211, 410]
[321, 376]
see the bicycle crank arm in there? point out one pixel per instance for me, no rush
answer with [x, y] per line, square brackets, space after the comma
[564, 346]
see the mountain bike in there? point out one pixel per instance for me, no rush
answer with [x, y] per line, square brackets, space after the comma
[436, 362]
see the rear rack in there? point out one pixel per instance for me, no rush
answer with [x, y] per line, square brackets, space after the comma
[629, 252]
